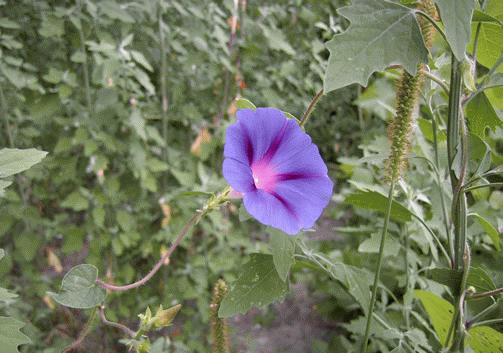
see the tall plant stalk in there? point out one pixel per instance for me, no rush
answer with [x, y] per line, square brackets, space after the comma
[378, 268]
[457, 135]
[164, 90]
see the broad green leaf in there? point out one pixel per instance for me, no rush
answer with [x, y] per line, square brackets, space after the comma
[495, 8]
[481, 114]
[371, 245]
[356, 281]
[484, 339]
[373, 200]
[490, 44]
[427, 130]
[370, 43]
[491, 231]
[3, 185]
[243, 103]
[477, 277]
[10, 335]
[5, 295]
[439, 310]
[496, 80]
[13, 161]
[79, 289]
[282, 248]
[456, 16]
[258, 285]
[480, 16]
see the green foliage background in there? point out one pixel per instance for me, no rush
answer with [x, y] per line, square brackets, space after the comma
[84, 80]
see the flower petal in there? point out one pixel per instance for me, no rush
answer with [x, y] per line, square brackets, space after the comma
[307, 196]
[262, 129]
[238, 175]
[272, 211]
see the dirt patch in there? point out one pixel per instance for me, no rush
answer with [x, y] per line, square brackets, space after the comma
[288, 327]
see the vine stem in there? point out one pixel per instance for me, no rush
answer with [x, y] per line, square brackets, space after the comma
[196, 217]
[378, 269]
[310, 108]
[121, 327]
[83, 333]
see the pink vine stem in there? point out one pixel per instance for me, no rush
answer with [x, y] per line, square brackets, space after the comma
[196, 217]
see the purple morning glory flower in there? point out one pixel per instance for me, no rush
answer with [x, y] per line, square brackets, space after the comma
[277, 168]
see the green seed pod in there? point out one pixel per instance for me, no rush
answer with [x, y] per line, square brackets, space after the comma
[408, 87]
[219, 329]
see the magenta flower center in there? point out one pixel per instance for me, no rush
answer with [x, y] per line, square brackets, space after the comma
[264, 176]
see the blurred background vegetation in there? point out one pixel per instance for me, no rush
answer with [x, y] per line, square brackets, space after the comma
[131, 100]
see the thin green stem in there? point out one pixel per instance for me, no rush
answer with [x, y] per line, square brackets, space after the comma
[378, 269]
[406, 245]
[85, 69]
[83, 334]
[310, 108]
[436, 79]
[489, 322]
[453, 117]
[490, 293]
[434, 23]
[440, 189]
[3, 111]
[432, 233]
[474, 51]
[489, 185]
[481, 314]
[164, 94]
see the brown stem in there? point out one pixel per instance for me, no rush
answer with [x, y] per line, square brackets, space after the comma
[490, 293]
[164, 258]
[310, 108]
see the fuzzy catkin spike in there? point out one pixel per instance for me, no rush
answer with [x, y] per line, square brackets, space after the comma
[219, 329]
[399, 130]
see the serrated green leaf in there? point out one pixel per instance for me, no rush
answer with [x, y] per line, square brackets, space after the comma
[10, 335]
[484, 339]
[369, 44]
[481, 114]
[373, 200]
[491, 231]
[439, 310]
[13, 160]
[243, 103]
[282, 248]
[79, 289]
[258, 285]
[456, 16]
